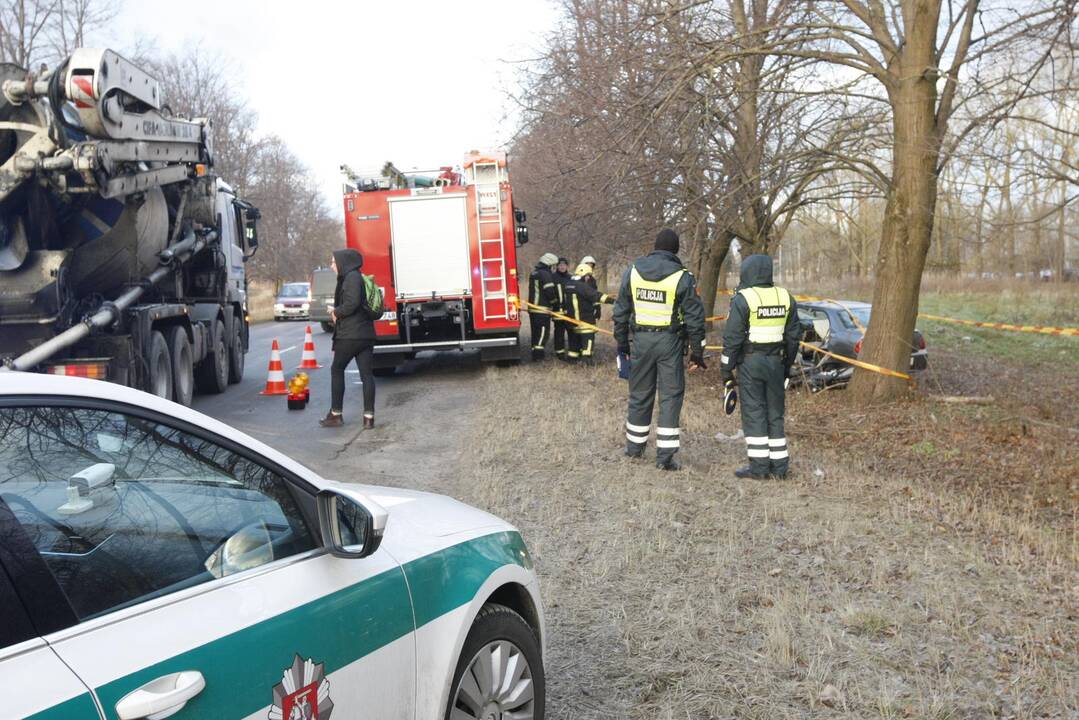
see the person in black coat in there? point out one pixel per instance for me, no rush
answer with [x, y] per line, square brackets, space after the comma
[353, 338]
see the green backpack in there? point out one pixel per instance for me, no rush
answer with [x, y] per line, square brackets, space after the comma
[373, 296]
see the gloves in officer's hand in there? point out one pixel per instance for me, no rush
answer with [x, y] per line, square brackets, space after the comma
[726, 375]
[623, 350]
[696, 360]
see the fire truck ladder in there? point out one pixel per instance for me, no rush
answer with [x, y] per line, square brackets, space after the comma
[492, 249]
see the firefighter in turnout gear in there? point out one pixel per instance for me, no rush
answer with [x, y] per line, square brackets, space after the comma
[657, 311]
[561, 327]
[760, 341]
[591, 279]
[542, 292]
[582, 303]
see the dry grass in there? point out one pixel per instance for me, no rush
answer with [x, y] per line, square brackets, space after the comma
[260, 299]
[848, 591]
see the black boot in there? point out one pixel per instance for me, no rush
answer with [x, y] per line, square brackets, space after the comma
[635, 453]
[668, 464]
[748, 472]
[537, 355]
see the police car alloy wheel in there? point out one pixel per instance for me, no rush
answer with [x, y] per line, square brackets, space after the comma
[499, 674]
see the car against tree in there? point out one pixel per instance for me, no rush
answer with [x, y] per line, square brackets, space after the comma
[838, 326]
[293, 302]
[156, 563]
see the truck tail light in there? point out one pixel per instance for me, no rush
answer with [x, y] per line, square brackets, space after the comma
[858, 347]
[95, 369]
[921, 342]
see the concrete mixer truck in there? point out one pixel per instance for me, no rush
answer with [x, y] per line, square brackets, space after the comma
[121, 252]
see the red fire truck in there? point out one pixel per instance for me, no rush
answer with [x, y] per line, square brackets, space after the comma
[442, 246]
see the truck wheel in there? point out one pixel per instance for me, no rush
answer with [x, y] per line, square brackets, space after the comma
[212, 374]
[183, 366]
[326, 327]
[160, 366]
[236, 352]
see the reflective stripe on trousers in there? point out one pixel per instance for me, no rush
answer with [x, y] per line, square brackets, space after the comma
[637, 434]
[667, 437]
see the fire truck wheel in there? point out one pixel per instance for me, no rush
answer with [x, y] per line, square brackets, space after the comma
[212, 375]
[511, 362]
[183, 368]
[236, 352]
[160, 366]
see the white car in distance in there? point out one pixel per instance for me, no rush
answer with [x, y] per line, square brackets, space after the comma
[157, 563]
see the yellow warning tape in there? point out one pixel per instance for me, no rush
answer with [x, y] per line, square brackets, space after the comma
[1036, 329]
[541, 310]
[859, 363]
[1040, 329]
[852, 361]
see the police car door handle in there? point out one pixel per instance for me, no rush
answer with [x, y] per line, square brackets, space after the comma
[162, 697]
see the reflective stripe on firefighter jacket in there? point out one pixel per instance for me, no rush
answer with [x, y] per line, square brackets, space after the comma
[654, 300]
[542, 290]
[768, 311]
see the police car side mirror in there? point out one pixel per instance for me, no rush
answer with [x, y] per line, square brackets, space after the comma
[351, 524]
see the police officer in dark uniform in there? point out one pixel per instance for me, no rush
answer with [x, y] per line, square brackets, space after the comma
[582, 303]
[760, 341]
[543, 293]
[561, 327]
[657, 310]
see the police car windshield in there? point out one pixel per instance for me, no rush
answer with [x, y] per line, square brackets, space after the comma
[294, 290]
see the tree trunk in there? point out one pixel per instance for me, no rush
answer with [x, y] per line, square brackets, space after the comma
[707, 261]
[908, 217]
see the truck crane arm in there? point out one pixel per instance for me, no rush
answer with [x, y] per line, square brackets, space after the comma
[132, 144]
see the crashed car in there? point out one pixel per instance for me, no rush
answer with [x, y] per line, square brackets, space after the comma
[839, 327]
[155, 563]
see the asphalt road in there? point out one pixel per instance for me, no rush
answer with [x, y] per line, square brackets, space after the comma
[419, 413]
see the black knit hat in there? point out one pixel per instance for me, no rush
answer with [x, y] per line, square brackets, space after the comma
[667, 239]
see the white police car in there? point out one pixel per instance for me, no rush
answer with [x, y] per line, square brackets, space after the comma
[156, 563]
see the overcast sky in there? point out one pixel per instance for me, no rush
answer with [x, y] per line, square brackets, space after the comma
[362, 82]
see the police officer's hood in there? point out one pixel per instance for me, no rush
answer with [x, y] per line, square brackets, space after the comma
[658, 264]
[756, 272]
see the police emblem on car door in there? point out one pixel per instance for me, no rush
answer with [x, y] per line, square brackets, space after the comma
[303, 693]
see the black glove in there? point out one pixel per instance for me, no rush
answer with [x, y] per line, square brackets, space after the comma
[697, 358]
[787, 370]
[726, 375]
[624, 349]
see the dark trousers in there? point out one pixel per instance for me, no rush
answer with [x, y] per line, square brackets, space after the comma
[657, 368]
[762, 399]
[344, 351]
[561, 329]
[541, 329]
[581, 342]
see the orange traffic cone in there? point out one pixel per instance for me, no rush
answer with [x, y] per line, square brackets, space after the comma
[275, 380]
[308, 361]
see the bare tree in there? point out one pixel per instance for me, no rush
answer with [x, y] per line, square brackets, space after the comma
[946, 68]
[24, 29]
